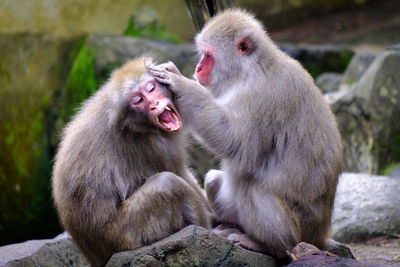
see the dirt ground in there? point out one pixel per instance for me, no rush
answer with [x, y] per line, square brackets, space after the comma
[373, 24]
[384, 250]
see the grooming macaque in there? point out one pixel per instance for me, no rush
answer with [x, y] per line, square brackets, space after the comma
[120, 180]
[260, 112]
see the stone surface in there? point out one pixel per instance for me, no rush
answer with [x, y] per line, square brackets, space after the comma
[329, 81]
[338, 249]
[365, 206]
[359, 63]
[308, 255]
[318, 59]
[395, 172]
[192, 246]
[112, 50]
[60, 251]
[33, 68]
[367, 116]
[75, 17]
[382, 249]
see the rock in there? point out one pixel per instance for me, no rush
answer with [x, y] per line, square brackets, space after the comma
[338, 249]
[357, 67]
[395, 172]
[192, 246]
[60, 251]
[76, 18]
[145, 23]
[111, 51]
[33, 68]
[367, 116]
[318, 59]
[365, 206]
[328, 81]
[308, 255]
[394, 47]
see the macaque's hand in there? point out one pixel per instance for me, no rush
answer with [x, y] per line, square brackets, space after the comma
[168, 66]
[168, 74]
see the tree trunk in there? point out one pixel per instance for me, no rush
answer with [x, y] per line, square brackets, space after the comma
[202, 10]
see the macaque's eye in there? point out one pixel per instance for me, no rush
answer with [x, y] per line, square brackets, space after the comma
[150, 87]
[137, 100]
[243, 46]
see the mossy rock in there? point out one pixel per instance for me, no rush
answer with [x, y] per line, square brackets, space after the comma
[317, 59]
[33, 68]
[368, 116]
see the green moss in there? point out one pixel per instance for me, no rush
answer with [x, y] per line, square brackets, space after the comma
[386, 171]
[81, 82]
[388, 153]
[344, 59]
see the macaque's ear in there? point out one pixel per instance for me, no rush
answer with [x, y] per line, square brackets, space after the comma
[245, 45]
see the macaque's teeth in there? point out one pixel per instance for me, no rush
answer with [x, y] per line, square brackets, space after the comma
[167, 108]
[175, 117]
[158, 120]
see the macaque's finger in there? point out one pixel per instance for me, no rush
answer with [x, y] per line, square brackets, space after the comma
[169, 66]
[166, 81]
[157, 73]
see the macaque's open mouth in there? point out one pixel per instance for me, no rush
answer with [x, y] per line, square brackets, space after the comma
[170, 119]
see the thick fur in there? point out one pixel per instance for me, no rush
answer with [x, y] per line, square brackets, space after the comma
[119, 182]
[263, 116]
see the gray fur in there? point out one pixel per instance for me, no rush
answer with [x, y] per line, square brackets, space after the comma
[119, 182]
[264, 117]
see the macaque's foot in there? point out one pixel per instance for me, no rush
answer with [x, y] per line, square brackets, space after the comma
[226, 229]
[211, 175]
[245, 241]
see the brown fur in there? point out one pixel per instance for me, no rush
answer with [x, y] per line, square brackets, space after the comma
[119, 182]
[278, 141]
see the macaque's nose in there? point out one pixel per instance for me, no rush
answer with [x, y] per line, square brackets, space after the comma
[154, 105]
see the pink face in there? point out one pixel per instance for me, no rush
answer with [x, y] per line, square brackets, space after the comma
[155, 101]
[204, 69]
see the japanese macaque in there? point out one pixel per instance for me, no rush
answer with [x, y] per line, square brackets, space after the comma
[120, 180]
[261, 114]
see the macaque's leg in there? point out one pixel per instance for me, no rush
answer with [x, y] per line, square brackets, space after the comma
[220, 197]
[163, 205]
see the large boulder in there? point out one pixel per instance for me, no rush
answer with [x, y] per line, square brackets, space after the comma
[365, 206]
[33, 68]
[368, 116]
[192, 246]
[60, 251]
[358, 65]
[318, 59]
[329, 81]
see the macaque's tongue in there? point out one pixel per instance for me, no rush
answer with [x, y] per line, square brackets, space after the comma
[170, 120]
[166, 116]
